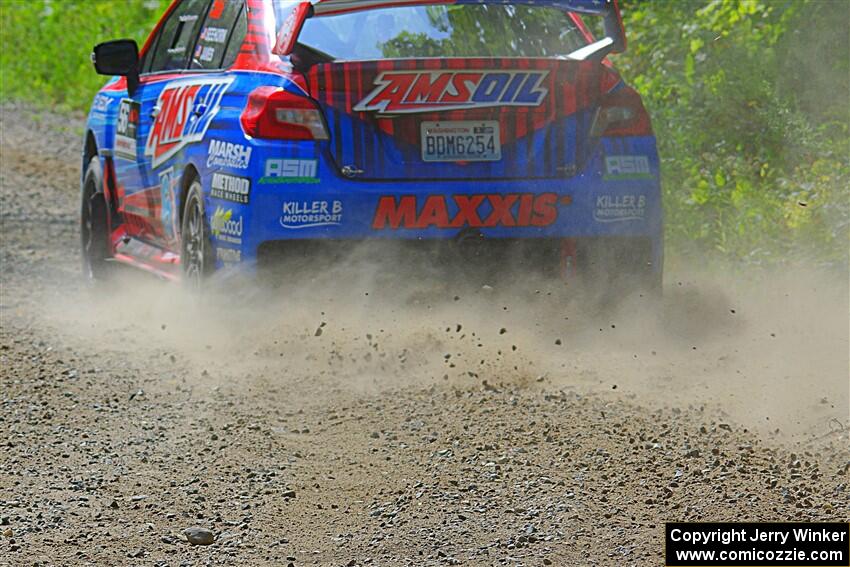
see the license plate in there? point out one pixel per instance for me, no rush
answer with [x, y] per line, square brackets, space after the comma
[461, 141]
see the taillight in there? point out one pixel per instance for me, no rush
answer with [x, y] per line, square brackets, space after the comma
[621, 113]
[277, 114]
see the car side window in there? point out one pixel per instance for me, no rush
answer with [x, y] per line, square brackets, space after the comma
[237, 38]
[218, 32]
[177, 36]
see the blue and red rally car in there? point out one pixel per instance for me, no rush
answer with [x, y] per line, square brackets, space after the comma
[244, 128]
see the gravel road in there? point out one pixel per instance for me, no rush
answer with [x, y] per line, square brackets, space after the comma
[343, 422]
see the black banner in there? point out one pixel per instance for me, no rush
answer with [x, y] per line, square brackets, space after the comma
[757, 544]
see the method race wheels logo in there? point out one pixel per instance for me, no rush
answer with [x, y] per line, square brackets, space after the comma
[185, 110]
[477, 211]
[399, 92]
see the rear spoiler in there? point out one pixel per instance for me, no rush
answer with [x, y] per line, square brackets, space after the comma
[614, 41]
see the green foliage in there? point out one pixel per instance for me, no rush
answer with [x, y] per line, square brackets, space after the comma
[749, 104]
[45, 45]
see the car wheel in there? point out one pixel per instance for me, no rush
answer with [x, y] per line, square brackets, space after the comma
[94, 226]
[196, 250]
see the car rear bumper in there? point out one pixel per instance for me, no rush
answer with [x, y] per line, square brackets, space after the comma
[617, 195]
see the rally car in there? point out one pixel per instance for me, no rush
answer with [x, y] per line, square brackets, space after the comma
[246, 127]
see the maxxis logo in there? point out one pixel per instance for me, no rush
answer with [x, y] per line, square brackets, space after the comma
[474, 211]
[186, 109]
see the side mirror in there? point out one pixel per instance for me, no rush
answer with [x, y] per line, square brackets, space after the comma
[118, 57]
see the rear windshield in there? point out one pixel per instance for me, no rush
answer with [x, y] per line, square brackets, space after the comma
[443, 31]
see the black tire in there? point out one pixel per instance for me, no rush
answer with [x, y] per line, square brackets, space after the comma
[196, 249]
[94, 226]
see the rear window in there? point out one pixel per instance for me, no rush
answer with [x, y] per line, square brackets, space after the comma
[444, 31]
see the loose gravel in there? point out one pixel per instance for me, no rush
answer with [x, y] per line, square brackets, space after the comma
[139, 432]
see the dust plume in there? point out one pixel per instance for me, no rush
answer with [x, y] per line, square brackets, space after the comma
[770, 352]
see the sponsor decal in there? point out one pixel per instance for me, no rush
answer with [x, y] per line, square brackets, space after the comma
[214, 35]
[290, 171]
[204, 53]
[216, 9]
[225, 227]
[618, 208]
[231, 188]
[478, 211]
[309, 214]
[127, 129]
[101, 103]
[398, 92]
[228, 255]
[167, 208]
[226, 154]
[627, 167]
[186, 109]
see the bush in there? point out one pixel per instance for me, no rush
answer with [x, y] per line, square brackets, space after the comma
[750, 107]
[45, 45]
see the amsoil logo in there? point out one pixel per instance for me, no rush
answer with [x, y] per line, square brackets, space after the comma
[404, 92]
[186, 109]
[477, 211]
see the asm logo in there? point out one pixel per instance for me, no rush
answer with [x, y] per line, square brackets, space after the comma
[186, 109]
[405, 92]
[477, 211]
